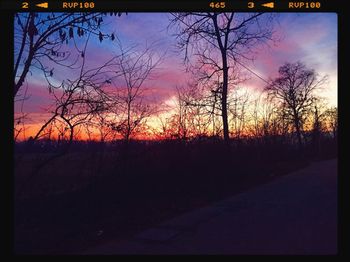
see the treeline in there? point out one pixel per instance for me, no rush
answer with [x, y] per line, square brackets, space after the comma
[110, 101]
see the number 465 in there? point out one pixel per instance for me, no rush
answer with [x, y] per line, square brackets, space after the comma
[217, 5]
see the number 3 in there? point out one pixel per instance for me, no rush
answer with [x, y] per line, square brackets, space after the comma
[250, 4]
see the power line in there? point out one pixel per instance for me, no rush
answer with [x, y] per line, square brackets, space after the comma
[260, 77]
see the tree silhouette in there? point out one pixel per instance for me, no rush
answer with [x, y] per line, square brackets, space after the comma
[331, 119]
[79, 100]
[218, 41]
[40, 36]
[134, 67]
[238, 104]
[295, 90]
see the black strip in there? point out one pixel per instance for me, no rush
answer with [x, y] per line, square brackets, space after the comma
[7, 112]
[343, 133]
[172, 5]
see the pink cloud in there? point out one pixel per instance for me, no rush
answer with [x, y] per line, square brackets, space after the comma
[303, 38]
[38, 96]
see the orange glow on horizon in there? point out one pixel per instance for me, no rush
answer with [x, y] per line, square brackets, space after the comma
[30, 130]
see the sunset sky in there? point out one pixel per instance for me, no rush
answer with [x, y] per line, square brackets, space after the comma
[307, 37]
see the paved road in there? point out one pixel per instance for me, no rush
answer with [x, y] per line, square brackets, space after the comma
[295, 214]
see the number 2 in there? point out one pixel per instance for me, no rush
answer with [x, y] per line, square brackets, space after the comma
[25, 5]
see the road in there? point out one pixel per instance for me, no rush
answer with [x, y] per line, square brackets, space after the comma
[294, 214]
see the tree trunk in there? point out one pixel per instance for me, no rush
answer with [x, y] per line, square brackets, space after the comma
[44, 126]
[224, 98]
[223, 50]
[127, 135]
[28, 62]
[71, 136]
[297, 128]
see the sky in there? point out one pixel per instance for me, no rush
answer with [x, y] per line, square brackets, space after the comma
[307, 37]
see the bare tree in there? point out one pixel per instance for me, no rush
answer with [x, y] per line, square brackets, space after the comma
[134, 67]
[331, 121]
[39, 38]
[237, 107]
[20, 118]
[78, 101]
[177, 125]
[196, 111]
[268, 119]
[102, 123]
[317, 127]
[295, 90]
[219, 40]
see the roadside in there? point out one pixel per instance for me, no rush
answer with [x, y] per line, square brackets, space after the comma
[113, 211]
[296, 214]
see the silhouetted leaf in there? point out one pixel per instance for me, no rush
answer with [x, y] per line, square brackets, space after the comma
[99, 21]
[71, 32]
[112, 37]
[32, 30]
[100, 36]
[63, 37]
[19, 22]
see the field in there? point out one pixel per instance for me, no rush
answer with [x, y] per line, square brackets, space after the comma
[98, 192]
